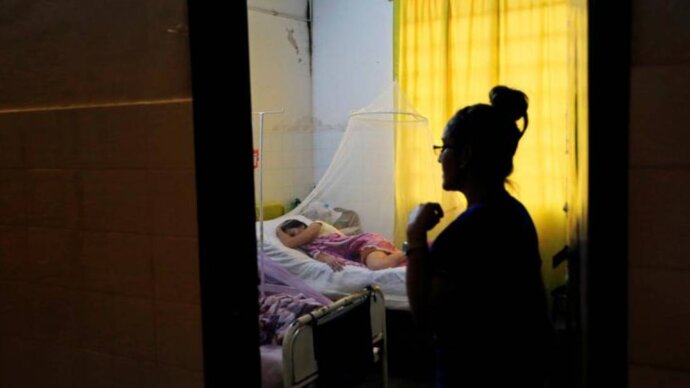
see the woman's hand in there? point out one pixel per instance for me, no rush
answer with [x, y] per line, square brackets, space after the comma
[419, 274]
[332, 261]
[428, 215]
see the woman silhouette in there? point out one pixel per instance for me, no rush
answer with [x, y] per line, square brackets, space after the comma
[479, 287]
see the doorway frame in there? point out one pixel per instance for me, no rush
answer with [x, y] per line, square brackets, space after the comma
[225, 192]
[604, 292]
[223, 146]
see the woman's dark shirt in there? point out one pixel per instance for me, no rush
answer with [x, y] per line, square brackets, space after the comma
[490, 315]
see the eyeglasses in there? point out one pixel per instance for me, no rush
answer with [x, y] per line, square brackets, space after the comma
[438, 149]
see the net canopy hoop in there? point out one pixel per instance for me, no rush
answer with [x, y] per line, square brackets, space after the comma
[417, 116]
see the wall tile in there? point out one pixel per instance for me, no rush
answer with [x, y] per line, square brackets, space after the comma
[659, 115]
[55, 315]
[27, 364]
[178, 341]
[660, 33]
[176, 262]
[173, 197]
[659, 317]
[59, 367]
[659, 213]
[11, 148]
[113, 51]
[113, 137]
[52, 198]
[171, 137]
[119, 326]
[49, 138]
[168, 377]
[52, 257]
[76, 210]
[16, 363]
[115, 201]
[16, 308]
[106, 371]
[650, 377]
[98, 371]
[13, 252]
[13, 198]
[117, 263]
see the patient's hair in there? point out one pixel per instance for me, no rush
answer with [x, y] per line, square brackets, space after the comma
[289, 224]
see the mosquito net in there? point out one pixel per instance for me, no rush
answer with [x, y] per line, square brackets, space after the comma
[382, 168]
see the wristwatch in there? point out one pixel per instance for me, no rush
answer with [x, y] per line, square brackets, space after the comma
[405, 247]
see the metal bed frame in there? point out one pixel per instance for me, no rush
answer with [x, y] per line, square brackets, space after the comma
[300, 367]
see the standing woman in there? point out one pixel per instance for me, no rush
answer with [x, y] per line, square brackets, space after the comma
[478, 287]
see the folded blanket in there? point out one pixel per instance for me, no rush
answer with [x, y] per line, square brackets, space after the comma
[277, 312]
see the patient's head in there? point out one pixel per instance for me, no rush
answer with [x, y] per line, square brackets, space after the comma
[293, 227]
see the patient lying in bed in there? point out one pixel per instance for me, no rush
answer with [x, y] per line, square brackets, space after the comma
[325, 243]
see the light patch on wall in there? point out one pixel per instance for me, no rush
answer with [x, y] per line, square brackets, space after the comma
[180, 28]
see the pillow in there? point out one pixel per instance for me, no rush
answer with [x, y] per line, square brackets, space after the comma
[348, 222]
[321, 211]
[327, 229]
[345, 220]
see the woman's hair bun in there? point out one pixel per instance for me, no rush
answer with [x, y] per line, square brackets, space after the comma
[513, 103]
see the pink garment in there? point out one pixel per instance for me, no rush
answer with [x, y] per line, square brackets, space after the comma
[348, 247]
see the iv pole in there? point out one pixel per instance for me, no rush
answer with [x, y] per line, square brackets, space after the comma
[261, 185]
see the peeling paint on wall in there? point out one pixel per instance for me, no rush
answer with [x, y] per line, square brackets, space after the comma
[299, 124]
[280, 76]
[320, 126]
[291, 39]
[342, 82]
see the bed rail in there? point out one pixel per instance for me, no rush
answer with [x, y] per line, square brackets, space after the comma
[301, 366]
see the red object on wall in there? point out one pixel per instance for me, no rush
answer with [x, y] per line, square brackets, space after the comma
[256, 158]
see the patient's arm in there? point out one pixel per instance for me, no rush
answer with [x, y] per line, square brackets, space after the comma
[332, 261]
[306, 236]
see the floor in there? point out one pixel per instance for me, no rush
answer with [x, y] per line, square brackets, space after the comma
[374, 381]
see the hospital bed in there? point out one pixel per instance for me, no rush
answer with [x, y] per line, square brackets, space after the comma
[335, 345]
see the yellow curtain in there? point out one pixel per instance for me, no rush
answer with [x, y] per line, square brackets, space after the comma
[578, 120]
[448, 54]
[414, 163]
[421, 70]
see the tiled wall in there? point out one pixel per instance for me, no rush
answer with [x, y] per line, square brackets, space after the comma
[99, 281]
[659, 301]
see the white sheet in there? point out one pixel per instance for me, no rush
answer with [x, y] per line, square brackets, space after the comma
[330, 283]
